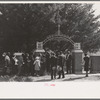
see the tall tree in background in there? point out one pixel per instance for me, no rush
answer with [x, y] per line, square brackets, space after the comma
[81, 25]
[21, 25]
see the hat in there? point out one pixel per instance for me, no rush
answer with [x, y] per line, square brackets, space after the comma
[4, 54]
[37, 58]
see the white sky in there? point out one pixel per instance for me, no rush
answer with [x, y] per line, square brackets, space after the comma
[97, 8]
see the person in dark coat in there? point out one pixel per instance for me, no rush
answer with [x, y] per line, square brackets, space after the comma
[53, 61]
[69, 62]
[61, 65]
[31, 64]
[20, 64]
[7, 63]
[28, 67]
[14, 61]
[24, 63]
[86, 65]
[47, 62]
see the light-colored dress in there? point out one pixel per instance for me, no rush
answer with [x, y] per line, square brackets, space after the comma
[37, 64]
[7, 61]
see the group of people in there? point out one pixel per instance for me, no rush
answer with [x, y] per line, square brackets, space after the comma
[33, 64]
[58, 62]
[17, 64]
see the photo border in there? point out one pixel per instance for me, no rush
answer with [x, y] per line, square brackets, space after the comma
[4, 86]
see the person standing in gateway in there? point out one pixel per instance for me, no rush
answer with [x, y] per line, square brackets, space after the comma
[86, 64]
[69, 62]
[53, 61]
[61, 59]
[37, 65]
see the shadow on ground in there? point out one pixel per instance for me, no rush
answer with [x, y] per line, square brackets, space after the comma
[69, 79]
[72, 79]
[43, 80]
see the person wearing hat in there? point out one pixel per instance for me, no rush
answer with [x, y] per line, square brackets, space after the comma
[37, 65]
[7, 63]
[53, 61]
[69, 62]
[86, 64]
[14, 63]
[60, 61]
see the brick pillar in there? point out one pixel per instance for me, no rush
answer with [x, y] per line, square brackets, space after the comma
[77, 61]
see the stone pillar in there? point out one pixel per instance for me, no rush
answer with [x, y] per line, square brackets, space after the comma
[95, 63]
[77, 60]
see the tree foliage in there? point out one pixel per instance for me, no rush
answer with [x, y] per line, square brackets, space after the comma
[21, 25]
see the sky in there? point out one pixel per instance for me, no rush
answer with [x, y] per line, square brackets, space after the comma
[96, 7]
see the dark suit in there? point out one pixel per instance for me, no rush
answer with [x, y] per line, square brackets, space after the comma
[86, 65]
[68, 63]
[61, 64]
[53, 61]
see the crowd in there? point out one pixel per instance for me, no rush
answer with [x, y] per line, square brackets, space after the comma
[40, 63]
[37, 64]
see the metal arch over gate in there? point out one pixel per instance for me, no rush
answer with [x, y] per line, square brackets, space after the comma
[59, 37]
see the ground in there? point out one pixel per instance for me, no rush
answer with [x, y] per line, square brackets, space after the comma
[47, 78]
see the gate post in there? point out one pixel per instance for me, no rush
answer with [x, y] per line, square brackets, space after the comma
[77, 59]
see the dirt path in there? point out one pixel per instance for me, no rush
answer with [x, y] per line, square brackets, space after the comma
[47, 78]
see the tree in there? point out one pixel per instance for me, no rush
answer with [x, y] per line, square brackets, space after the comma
[81, 25]
[21, 25]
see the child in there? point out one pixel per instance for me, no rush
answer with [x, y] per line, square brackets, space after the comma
[37, 65]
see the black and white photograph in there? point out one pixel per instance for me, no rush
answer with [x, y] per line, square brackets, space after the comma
[49, 42]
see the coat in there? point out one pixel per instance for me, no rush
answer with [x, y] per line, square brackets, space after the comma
[7, 61]
[53, 61]
[37, 64]
[69, 61]
[86, 65]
